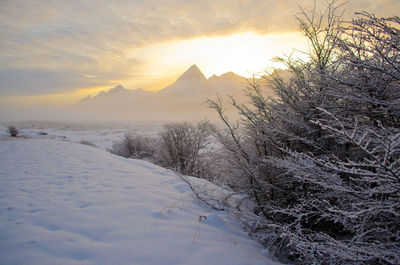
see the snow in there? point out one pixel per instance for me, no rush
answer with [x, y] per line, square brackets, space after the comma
[100, 135]
[68, 203]
[192, 73]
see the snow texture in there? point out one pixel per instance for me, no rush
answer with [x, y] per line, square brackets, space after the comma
[100, 135]
[68, 203]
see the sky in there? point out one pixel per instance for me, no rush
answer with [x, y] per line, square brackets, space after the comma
[56, 52]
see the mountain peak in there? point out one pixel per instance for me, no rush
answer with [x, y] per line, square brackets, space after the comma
[117, 88]
[192, 73]
[227, 75]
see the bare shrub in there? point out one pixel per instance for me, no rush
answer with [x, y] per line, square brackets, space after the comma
[12, 131]
[181, 145]
[87, 142]
[133, 146]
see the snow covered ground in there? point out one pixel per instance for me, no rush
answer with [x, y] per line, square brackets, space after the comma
[101, 135]
[68, 203]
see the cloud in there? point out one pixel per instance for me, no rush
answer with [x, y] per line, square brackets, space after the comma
[25, 82]
[65, 40]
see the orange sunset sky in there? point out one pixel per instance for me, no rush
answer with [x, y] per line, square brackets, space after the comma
[56, 52]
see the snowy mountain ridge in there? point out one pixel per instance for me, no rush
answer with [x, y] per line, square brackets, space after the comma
[182, 100]
[192, 73]
[191, 83]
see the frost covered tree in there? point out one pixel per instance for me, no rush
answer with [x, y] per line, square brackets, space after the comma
[181, 145]
[133, 146]
[321, 159]
[12, 131]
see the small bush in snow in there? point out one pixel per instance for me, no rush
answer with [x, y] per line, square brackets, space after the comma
[181, 145]
[12, 131]
[87, 142]
[133, 146]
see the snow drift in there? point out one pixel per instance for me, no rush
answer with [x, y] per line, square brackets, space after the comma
[66, 203]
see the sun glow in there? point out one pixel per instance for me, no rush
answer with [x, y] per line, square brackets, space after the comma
[245, 54]
[56, 99]
[161, 64]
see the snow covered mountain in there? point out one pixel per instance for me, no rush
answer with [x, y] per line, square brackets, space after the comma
[191, 83]
[192, 73]
[118, 94]
[182, 100]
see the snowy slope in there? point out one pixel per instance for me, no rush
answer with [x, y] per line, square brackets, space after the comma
[101, 135]
[66, 203]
